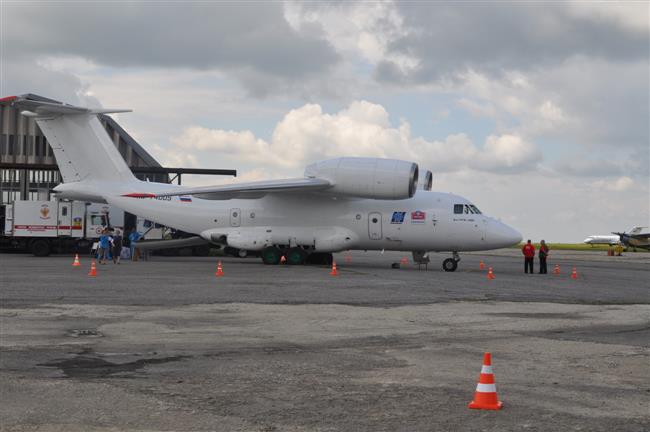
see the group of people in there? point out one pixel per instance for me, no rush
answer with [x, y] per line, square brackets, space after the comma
[529, 257]
[111, 243]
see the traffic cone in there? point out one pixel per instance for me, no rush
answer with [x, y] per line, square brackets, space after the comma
[574, 273]
[283, 259]
[404, 261]
[485, 397]
[219, 272]
[334, 272]
[490, 274]
[76, 262]
[93, 269]
[481, 265]
[556, 270]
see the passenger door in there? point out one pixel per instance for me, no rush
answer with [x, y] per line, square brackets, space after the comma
[374, 226]
[235, 217]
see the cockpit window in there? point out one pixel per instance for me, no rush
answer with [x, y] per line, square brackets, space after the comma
[466, 209]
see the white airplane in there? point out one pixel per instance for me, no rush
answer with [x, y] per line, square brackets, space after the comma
[613, 239]
[340, 204]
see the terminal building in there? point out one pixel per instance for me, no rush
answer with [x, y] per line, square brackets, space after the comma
[28, 169]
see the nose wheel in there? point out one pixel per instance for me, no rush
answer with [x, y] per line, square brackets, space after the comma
[451, 264]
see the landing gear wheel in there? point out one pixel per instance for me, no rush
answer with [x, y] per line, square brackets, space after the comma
[296, 256]
[449, 265]
[320, 258]
[271, 255]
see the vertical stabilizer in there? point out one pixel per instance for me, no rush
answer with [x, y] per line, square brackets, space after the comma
[81, 145]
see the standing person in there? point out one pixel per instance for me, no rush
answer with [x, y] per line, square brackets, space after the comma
[117, 246]
[134, 236]
[529, 256]
[543, 254]
[104, 245]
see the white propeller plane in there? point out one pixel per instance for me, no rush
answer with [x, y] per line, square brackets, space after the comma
[340, 204]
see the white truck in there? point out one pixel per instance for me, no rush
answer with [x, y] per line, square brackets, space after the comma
[43, 227]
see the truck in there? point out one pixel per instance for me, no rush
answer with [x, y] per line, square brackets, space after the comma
[43, 227]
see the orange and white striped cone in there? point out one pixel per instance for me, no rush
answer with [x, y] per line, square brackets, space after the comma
[76, 262]
[481, 265]
[93, 269]
[556, 270]
[334, 272]
[219, 272]
[485, 397]
[574, 273]
[490, 274]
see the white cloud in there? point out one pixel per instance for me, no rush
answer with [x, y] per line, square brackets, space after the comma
[307, 134]
[619, 184]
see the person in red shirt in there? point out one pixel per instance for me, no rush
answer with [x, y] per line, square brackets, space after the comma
[529, 256]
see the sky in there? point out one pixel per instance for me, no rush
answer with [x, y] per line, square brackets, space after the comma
[536, 112]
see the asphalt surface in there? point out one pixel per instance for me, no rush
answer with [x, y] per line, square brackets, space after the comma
[166, 345]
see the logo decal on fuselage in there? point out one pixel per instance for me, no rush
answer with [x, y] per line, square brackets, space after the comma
[418, 217]
[398, 217]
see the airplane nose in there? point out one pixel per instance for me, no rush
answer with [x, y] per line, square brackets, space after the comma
[501, 235]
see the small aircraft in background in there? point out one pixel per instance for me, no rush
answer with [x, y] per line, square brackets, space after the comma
[635, 238]
[611, 240]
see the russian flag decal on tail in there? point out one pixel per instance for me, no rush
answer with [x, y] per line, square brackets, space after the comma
[186, 198]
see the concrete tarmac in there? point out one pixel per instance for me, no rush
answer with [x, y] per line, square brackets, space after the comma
[165, 345]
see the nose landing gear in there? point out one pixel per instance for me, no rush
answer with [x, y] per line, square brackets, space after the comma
[451, 264]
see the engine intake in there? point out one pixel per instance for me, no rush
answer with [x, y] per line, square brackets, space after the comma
[374, 178]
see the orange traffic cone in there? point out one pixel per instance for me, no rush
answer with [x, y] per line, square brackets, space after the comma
[485, 396]
[490, 274]
[283, 259]
[93, 269]
[481, 265]
[574, 273]
[76, 262]
[219, 272]
[334, 272]
[404, 261]
[556, 270]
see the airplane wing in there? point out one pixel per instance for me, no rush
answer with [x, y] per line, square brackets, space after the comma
[37, 108]
[249, 190]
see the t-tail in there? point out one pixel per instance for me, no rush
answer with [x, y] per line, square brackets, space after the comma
[88, 160]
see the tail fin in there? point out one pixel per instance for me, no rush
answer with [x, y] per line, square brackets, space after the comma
[81, 145]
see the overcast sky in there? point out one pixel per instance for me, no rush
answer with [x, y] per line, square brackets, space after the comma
[537, 112]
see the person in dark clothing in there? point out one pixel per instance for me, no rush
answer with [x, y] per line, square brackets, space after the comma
[117, 246]
[529, 256]
[543, 254]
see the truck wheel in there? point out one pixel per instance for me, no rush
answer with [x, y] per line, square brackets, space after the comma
[40, 248]
[271, 255]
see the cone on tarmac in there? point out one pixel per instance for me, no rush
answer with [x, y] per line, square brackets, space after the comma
[76, 262]
[93, 269]
[490, 274]
[219, 272]
[574, 273]
[556, 270]
[404, 261]
[334, 272]
[485, 397]
[283, 259]
[481, 265]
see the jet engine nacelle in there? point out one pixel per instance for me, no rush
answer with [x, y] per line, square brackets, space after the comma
[427, 181]
[374, 178]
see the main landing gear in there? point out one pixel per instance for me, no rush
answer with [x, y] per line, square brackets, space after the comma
[295, 256]
[451, 264]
